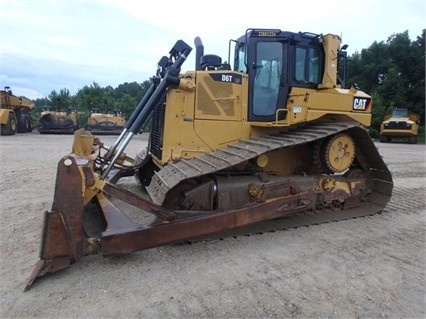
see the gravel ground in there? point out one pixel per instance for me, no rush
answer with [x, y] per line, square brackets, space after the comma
[371, 267]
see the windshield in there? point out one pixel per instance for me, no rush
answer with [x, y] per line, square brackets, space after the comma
[400, 113]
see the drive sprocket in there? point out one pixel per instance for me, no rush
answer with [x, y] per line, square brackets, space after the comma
[339, 152]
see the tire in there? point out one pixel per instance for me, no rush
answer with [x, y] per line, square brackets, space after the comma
[25, 125]
[10, 127]
[383, 138]
[412, 140]
[28, 123]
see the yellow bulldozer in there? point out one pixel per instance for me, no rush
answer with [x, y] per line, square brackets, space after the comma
[15, 113]
[274, 140]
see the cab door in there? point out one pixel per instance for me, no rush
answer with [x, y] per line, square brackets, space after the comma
[268, 88]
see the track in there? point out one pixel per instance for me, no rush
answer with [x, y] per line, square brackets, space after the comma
[173, 173]
[380, 179]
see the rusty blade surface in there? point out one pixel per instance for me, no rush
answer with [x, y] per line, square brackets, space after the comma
[62, 241]
[118, 242]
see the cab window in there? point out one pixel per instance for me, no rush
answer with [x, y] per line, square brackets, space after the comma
[240, 65]
[307, 65]
[268, 69]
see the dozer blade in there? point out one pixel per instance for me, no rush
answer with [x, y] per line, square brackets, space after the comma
[63, 240]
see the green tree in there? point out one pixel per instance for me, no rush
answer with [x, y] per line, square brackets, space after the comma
[126, 97]
[62, 100]
[91, 96]
[416, 90]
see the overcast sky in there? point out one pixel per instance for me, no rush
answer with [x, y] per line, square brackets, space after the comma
[52, 45]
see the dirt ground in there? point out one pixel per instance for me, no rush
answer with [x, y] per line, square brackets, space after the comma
[371, 267]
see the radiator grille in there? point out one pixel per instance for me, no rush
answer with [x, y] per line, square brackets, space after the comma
[156, 137]
[394, 125]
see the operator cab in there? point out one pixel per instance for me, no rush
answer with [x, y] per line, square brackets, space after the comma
[275, 62]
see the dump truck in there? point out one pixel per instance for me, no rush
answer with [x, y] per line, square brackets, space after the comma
[401, 123]
[58, 121]
[105, 123]
[15, 113]
[271, 142]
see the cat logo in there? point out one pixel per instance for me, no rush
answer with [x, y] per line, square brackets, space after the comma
[361, 104]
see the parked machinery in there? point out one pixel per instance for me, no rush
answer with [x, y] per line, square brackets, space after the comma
[275, 140]
[15, 113]
[106, 123]
[401, 123]
[58, 121]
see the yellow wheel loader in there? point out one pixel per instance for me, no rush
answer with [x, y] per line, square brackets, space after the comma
[272, 142]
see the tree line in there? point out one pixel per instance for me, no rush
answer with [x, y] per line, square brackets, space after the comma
[391, 71]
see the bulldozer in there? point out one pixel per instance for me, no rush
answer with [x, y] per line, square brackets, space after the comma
[275, 141]
[15, 113]
[105, 123]
[58, 121]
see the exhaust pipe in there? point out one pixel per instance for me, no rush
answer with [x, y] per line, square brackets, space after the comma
[199, 52]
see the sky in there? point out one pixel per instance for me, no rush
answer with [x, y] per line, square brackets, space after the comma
[48, 45]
